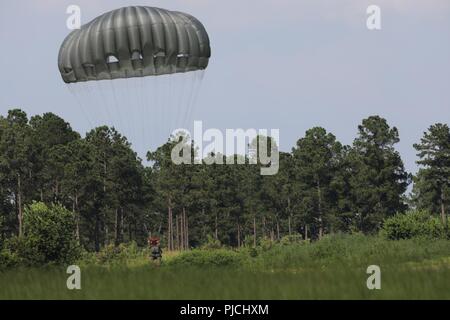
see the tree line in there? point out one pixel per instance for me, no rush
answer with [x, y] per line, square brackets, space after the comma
[322, 185]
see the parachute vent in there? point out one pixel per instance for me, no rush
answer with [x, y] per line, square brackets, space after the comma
[137, 56]
[111, 59]
[159, 54]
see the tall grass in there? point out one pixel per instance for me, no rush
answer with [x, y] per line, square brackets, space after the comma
[333, 268]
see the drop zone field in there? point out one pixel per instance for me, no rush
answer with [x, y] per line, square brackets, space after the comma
[332, 268]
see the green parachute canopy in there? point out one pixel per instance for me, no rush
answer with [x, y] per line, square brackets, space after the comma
[134, 41]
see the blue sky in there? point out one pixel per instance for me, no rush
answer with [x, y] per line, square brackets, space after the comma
[287, 64]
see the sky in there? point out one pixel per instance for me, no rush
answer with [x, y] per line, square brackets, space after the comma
[284, 64]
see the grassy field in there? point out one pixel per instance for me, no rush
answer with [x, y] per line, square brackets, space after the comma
[333, 268]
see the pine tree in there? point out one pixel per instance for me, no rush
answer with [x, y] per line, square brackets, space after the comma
[432, 183]
[378, 178]
[315, 161]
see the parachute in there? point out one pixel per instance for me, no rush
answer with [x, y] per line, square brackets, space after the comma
[138, 69]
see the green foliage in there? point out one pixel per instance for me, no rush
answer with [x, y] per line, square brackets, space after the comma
[412, 224]
[432, 183]
[316, 164]
[49, 235]
[342, 251]
[206, 258]
[8, 258]
[253, 252]
[292, 239]
[211, 243]
[377, 175]
[120, 254]
[265, 244]
[322, 187]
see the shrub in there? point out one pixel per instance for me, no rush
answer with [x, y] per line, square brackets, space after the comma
[112, 254]
[212, 243]
[333, 246]
[413, 224]
[265, 244]
[253, 252]
[292, 239]
[8, 258]
[205, 258]
[48, 235]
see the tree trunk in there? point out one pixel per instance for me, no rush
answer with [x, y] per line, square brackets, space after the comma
[19, 204]
[105, 171]
[130, 231]
[121, 226]
[254, 231]
[56, 191]
[172, 247]
[106, 242]
[77, 217]
[443, 214]
[239, 235]
[289, 224]
[264, 226]
[289, 214]
[182, 231]
[186, 237]
[278, 230]
[319, 198]
[168, 226]
[216, 231]
[116, 228]
[96, 233]
[177, 229]
[306, 232]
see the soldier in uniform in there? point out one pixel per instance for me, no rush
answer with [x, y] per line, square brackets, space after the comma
[155, 249]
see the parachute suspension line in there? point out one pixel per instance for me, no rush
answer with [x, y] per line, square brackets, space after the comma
[174, 102]
[196, 82]
[128, 106]
[149, 106]
[173, 95]
[187, 103]
[180, 105]
[104, 104]
[199, 80]
[110, 106]
[90, 108]
[157, 97]
[117, 113]
[95, 109]
[164, 106]
[169, 108]
[189, 97]
[74, 93]
[89, 105]
[142, 116]
[139, 113]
